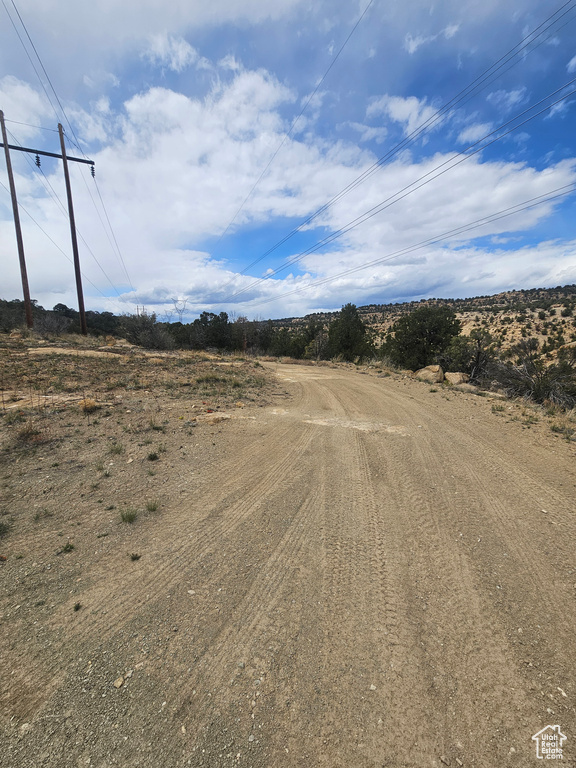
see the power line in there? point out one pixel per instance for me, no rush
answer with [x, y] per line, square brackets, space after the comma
[37, 127]
[54, 195]
[484, 79]
[43, 69]
[417, 184]
[75, 141]
[30, 59]
[533, 202]
[293, 125]
[27, 212]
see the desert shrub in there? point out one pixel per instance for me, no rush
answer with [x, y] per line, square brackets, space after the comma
[146, 332]
[348, 336]
[418, 338]
[529, 376]
[470, 354]
[52, 324]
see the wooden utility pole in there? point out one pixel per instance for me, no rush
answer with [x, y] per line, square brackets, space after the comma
[23, 273]
[64, 158]
[83, 326]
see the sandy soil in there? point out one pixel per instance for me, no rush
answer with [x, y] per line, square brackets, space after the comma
[364, 574]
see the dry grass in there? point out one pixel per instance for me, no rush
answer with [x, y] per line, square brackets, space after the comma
[87, 405]
[47, 379]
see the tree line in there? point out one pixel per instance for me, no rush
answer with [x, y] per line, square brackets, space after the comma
[427, 335]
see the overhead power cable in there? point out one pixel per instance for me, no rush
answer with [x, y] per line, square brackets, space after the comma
[294, 123]
[476, 86]
[54, 195]
[75, 140]
[554, 194]
[54, 243]
[423, 180]
[36, 127]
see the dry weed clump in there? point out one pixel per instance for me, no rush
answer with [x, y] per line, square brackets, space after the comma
[87, 405]
[34, 432]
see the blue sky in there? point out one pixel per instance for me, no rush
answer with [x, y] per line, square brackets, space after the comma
[188, 110]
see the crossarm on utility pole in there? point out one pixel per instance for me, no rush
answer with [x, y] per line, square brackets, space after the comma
[46, 154]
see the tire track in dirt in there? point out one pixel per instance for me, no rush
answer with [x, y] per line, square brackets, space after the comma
[464, 642]
[222, 519]
[395, 653]
[218, 680]
[480, 646]
[372, 631]
[363, 606]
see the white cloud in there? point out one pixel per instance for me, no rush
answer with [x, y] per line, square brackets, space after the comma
[450, 31]
[559, 109]
[474, 133]
[411, 44]
[507, 100]
[368, 133]
[410, 112]
[171, 52]
[572, 65]
[175, 170]
[22, 103]
[229, 62]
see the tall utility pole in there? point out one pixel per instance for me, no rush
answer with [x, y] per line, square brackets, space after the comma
[83, 325]
[23, 273]
[64, 157]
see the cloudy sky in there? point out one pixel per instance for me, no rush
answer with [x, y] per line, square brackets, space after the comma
[271, 159]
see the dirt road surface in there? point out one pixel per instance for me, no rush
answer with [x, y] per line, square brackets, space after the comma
[367, 574]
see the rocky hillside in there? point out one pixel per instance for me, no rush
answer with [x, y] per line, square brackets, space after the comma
[546, 314]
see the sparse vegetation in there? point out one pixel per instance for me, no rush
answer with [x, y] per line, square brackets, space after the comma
[128, 515]
[152, 505]
[415, 340]
[88, 405]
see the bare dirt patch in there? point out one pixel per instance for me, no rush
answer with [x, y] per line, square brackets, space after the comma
[349, 571]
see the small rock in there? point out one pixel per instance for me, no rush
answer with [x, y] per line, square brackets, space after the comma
[460, 763]
[25, 728]
[251, 737]
[444, 759]
[119, 682]
[372, 687]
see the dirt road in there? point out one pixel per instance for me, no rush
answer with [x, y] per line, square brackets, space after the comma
[367, 574]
